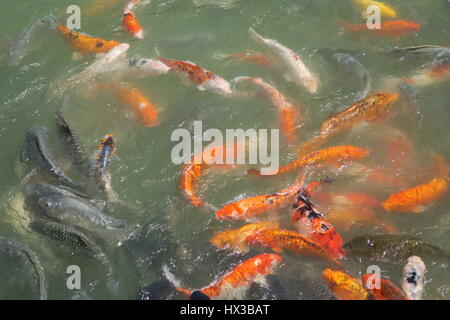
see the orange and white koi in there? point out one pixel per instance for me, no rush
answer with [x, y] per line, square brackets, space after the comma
[413, 278]
[202, 78]
[255, 206]
[279, 240]
[288, 113]
[386, 291]
[344, 286]
[237, 281]
[142, 107]
[417, 199]
[129, 21]
[294, 68]
[308, 220]
[84, 43]
[236, 239]
[372, 108]
[431, 76]
[393, 28]
[333, 156]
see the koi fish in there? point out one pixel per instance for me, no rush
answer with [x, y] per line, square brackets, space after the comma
[294, 68]
[288, 114]
[254, 206]
[372, 108]
[387, 290]
[129, 21]
[393, 28]
[431, 76]
[84, 43]
[148, 67]
[416, 199]
[204, 79]
[236, 239]
[251, 57]
[199, 162]
[142, 107]
[413, 278]
[100, 170]
[385, 10]
[279, 240]
[331, 155]
[311, 222]
[240, 278]
[344, 286]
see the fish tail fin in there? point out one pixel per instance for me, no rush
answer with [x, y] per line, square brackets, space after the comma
[174, 281]
[255, 36]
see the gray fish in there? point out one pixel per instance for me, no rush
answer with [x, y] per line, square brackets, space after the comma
[437, 53]
[38, 190]
[13, 248]
[37, 148]
[83, 214]
[353, 65]
[72, 141]
[391, 247]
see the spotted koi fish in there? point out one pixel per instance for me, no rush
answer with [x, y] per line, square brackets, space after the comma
[417, 199]
[202, 78]
[372, 108]
[241, 277]
[86, 44]
[129, 21]
[344, 286]
[255, 206]
[387, 290]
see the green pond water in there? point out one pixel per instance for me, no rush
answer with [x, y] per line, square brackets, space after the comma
[173, 231]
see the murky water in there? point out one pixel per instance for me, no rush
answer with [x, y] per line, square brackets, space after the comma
[173, 232]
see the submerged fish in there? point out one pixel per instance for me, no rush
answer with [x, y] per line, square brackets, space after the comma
[372, 108]
[37, 148]
[37, 190]
[254, 206]
[430, 76]
[237, 239]
[294, 68]
[391, 247]
[26, 256]
[72, 140]
[236, 282]
[393, 28]
[202, 78]
[353, 65]
[333, 156]
[80, 213]
[288, 113]
[417, 199]
[386, 291]
[438, 54]
[413, 278]
[344, 286]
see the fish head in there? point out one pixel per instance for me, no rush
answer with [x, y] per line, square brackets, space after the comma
[228, 212]
[217, 85]
[51, 204]
[325, 234]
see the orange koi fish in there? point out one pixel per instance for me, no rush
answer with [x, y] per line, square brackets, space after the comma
[280, 239]
[251, 57]
[288, 113]
[129, 21]
[236, 239]
[416, 199]
[142, 107]
[252, 207]
[204, 79]
[84, 43]
[387, 290]
[311, 222]
[199, 162]
[345, 287]
[371, 108]
[431, 76]
[332, 156]
[241, 277]
[393, 28]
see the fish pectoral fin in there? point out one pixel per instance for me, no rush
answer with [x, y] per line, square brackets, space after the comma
[201, 88]
[419, 209]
